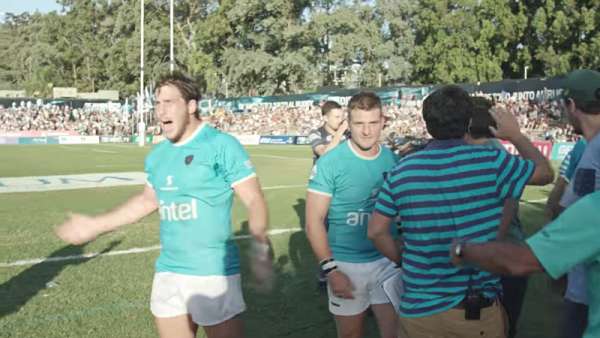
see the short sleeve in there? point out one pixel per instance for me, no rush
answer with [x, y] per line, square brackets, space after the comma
[386, 204]
[322, 178]
[148, 171]
[563, 171]
[236, 164]
[315, 139]
[571, 239]
[513, 174]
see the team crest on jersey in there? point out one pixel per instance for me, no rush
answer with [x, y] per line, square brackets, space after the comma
[189, 159]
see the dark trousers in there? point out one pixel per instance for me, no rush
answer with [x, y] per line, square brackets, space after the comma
[513, 296]
[576, 319]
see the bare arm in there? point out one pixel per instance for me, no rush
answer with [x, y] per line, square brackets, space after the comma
[508, 129]
[503, 258]
[250, 193]
[261, 259]
[79, 229]
[317, 206]
[508, 212]
[553, 208]
[379, 233]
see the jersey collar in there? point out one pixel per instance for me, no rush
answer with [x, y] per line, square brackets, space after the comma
[193, 136]
[363, 157]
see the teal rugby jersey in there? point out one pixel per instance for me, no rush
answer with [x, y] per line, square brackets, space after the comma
[353, 182]
[193, 183]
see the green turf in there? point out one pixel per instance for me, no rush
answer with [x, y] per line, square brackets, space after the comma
[108, 296]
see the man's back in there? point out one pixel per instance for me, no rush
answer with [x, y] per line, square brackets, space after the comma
[448, 190]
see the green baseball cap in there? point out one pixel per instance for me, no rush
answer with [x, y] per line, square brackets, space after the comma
[583, 86]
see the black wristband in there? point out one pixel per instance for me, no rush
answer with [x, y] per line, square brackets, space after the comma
[327, 271]
[325, 261]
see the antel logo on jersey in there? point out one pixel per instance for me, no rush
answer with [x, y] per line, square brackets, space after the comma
[359, 218]
[174, 212]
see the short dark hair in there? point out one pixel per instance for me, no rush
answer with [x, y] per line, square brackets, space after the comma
[481, 119]
[364, 101]
[447, 112]
[329, 106]
[186, 85]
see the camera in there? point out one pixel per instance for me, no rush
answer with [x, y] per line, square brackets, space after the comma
[474, 302]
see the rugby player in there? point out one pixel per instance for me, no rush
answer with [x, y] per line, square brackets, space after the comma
[342, 190]
[192, 177]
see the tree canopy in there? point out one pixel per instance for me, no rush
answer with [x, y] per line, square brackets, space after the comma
[256, 47]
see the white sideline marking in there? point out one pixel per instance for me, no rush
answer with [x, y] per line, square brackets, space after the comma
[68, 182]
[118, 252]
[82, 181]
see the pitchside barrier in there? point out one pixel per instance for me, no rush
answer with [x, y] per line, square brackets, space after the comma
[553, 151]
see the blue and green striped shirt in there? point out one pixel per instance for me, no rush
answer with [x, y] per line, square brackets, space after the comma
[448, 190]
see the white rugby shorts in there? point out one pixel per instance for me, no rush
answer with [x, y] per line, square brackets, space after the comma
[209, 300]
[367, 279]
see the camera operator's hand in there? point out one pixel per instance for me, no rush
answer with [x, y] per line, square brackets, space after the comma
[507, 126]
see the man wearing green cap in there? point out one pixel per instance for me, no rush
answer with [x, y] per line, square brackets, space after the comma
[582, 103]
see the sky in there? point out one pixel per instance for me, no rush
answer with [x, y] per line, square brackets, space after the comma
[20, 6]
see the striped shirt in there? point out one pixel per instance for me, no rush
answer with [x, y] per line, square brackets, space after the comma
[448, 190]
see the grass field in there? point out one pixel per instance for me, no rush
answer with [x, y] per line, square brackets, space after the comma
[108, 296]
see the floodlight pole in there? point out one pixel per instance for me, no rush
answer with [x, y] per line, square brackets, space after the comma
[172, 63]
[141, 124]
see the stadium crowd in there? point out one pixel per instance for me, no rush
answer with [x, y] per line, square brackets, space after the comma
[540, 119]
[63, 118]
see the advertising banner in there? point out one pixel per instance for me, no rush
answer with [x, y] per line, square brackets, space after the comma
[37, 133]
[134, 139]
[545, 147]
[302, 140]
[33, 140]
[247, 139]
[78, 139]
[114, 139]
[9, 140]
[279, 139]
[561, 149]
